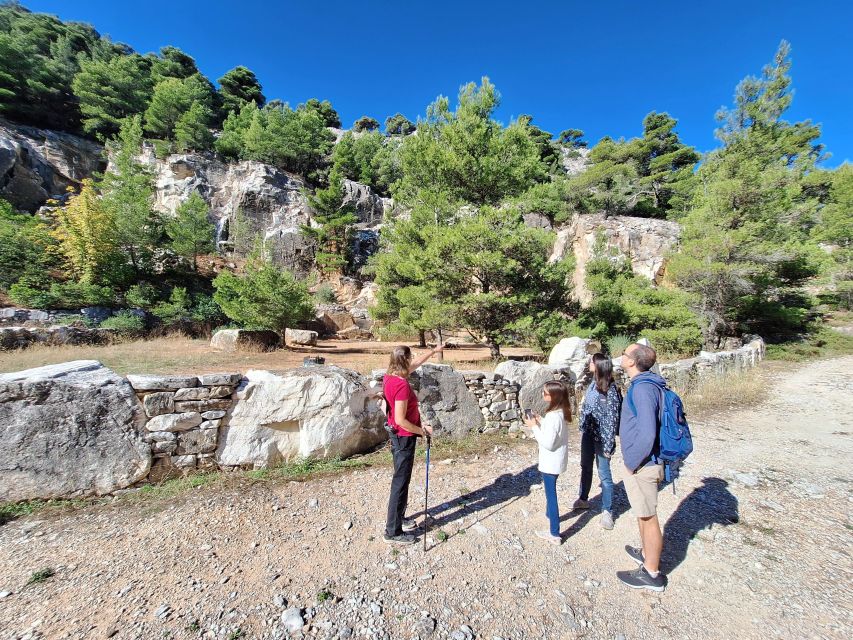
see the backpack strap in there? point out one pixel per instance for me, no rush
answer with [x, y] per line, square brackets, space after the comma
[661, 408]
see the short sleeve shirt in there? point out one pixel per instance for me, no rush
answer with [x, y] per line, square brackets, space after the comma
[398, 389]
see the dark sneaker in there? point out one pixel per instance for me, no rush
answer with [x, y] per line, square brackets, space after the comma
[640, 579]
[410, 524]
[403, 538]
[580, 504]
[635, 552]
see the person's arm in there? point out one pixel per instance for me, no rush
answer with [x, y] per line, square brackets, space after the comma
[400, 409]
[416, 363]
[547, 432]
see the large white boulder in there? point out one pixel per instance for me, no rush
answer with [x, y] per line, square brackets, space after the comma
[311, 412]
[67, 430]
[572, 353]
[531, 376]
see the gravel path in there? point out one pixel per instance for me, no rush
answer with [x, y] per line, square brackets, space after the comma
[758, 543]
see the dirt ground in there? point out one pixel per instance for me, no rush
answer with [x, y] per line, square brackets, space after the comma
[184, 355]
[757, 545]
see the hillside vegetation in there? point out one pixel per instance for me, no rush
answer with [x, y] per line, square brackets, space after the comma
[764, 225]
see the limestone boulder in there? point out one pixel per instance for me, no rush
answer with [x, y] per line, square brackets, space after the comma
[245, 340]
[572, 353]
[68, 430]
[369, 206]
[334, 317]
[531, 376]
[445, 400]
[311, 412]
[300, 337]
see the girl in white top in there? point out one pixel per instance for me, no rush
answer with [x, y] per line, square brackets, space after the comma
[552, 434]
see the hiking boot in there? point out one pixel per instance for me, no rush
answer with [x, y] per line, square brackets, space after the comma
[580, 504]
[410, 524]
[635, 552]
[639, 578]
[546, 535]
[606, 520]
[403, 538]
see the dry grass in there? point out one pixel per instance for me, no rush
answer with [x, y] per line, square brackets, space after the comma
[730, 392]
[179, 354]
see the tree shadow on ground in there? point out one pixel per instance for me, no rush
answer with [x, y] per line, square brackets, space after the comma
[505, 489]
[710, 504]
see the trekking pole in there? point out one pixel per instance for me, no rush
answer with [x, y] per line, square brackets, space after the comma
[426, 493]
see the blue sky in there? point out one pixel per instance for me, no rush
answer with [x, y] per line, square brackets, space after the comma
[596, 66]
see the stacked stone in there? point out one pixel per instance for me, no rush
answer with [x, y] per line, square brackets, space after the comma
[497, 398]
[183, 415]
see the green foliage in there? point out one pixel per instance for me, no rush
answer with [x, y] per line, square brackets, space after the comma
[125, 322]
[128, 195]
[365, 123]
[572, 138]
[191, 231]
[745, 252]
[172, 102]
[466, 155]
[296, 141]
[41, 575]
[61, 295]
[371, 159]
[399, 125]
[625, 304]
[239, 87]
[27, 249]
[325, 110]
[191, 129]
[263, 297]
[334, 220]
[325, 294]
[142, 296]
[819, 341]
[834, 228]
[549, 152]
[111, 90]
[172, 63]
[616, 344]
[183, 307]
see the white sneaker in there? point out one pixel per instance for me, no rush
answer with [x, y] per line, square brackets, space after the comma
[606, 520]
[410, 524]
[546, 535]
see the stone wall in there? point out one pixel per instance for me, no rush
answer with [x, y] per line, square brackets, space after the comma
[183, 417]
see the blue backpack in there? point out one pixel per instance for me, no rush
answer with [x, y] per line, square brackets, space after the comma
[674, 440]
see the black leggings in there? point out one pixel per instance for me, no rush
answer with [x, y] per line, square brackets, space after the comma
[403, 448]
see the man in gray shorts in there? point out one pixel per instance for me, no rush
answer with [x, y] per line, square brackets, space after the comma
[639, 433]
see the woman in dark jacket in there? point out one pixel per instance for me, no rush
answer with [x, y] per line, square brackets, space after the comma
[599, 424]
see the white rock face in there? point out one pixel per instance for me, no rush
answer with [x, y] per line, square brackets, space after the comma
[312, 412]
[572, 353]
[643, 241]
[300, 337]
[37, 164]
[67, 430]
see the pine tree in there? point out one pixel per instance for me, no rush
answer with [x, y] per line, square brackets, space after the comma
[172, 100]
[191, 231]
[237, 88]
[191, 129]
[335, 219]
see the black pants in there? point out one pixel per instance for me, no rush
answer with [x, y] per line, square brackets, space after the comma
[403, 448]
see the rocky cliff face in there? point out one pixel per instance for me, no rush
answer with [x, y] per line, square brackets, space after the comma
[644, 242]
[36, 164]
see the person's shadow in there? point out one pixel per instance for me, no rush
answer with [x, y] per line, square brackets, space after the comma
[619, 507]
[505, 489]
[710, 504]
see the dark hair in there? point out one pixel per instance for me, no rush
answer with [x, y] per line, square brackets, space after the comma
[401, 358]
[559, 398]
[644, 357]
[603, 372]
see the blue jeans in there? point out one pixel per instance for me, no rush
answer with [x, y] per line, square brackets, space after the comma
[551, 509]
[589, 453]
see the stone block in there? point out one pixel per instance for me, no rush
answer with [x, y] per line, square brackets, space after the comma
[161, 383]
[198, 393]
[158, 403]
[197, 441]
[244, 340]
[220, 379]
[210, 424]
[221, 392]
[202, 405]
[213, 415]
[300, 337]
[184, 461]
[174, 421]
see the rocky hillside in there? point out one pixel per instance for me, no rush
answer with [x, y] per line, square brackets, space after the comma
[249, 197]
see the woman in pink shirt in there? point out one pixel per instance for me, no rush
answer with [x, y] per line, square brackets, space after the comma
[405, 422]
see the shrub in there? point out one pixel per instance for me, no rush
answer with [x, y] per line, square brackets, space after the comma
[143, 296]
[325, 294]
[61, 295]
[125, 322]
[617, 344]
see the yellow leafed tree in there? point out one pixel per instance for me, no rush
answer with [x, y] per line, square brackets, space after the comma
[86, 232]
